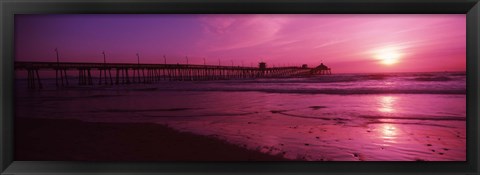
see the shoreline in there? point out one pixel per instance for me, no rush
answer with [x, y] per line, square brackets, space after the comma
[75, 140]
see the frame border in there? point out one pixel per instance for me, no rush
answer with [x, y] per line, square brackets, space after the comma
[9, 8]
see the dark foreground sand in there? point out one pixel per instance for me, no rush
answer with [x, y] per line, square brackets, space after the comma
[73, 140]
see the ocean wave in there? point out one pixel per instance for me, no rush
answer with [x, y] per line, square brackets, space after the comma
[309, 117]
[433, 78]
[70, 98]
[432, 118]
[351, 78]
[418, 120]
[145, 89]
[359, 91]
[378, 76]
[145, 110]
[411, 123]
[372, 91]
[318, 79]
[201, 115]
[459, 74]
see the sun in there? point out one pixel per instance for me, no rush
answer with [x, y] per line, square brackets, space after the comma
[388, 56]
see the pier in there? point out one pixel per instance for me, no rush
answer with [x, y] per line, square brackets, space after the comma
[130, 73]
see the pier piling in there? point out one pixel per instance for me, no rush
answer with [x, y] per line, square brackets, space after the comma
[151, 73]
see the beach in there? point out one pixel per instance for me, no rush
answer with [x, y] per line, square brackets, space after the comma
[365, 117]
[73, 140]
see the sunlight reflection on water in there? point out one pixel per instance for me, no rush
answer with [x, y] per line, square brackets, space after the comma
[389, 133]
[386, 104]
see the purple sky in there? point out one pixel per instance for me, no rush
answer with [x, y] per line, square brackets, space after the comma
[347, 43]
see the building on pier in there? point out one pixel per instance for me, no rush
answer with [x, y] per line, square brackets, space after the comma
[262, 65]
[321, 70]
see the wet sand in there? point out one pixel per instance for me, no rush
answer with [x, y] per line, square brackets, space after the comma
[298, 126]
[74, 140]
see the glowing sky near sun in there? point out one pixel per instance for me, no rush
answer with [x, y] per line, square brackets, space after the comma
[347, 43]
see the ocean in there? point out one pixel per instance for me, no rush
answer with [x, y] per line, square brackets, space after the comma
[340, 117]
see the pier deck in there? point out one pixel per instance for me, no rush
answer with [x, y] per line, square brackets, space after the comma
[126, 73]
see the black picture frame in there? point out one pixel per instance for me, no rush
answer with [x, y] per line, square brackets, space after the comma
[9, 8]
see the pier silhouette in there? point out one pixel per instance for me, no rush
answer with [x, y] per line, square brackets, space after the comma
[130, 73]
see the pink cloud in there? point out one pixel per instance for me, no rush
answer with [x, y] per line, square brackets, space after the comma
[226, 32]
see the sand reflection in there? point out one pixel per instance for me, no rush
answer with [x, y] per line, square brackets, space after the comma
[386, 104]
[389, 131]
[387, 134]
